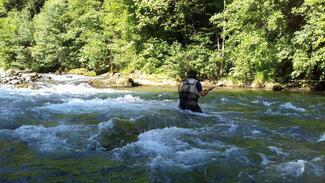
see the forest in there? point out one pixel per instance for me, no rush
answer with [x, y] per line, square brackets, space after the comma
[248, 40]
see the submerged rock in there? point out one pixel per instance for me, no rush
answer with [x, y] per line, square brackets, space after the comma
[117, 133]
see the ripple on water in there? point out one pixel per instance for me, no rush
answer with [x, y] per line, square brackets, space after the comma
[290, 106]
[180, 148]
[321, 138]
[265, 160]
[296, 133]
[168, 147]
[53, 139]
[293, 168]
[263, 102]
[45, 90]
[278, 151]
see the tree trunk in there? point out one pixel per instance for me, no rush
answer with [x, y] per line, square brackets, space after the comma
[218, 43]
[223, 41]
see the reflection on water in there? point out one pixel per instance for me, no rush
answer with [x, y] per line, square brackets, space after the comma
[71, 132]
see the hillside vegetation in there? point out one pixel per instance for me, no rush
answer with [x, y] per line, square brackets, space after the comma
[276, 40]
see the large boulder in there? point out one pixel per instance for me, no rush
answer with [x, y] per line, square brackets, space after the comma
[115, 80]
[117, 133]
[142, 79]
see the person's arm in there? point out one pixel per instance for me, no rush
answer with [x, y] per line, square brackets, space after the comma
[201, 91]
[206, 91]
[179, 88]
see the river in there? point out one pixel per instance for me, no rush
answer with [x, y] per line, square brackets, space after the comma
[66, 132]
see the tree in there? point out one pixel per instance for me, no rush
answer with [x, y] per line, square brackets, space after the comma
[49, 51]
[120, 32]
[16, 36]
[259, 36]
[309, 56]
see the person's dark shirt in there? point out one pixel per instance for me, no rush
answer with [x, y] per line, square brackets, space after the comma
[199, 86]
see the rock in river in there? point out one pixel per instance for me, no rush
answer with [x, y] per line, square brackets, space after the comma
[117, 133]
[115, 80]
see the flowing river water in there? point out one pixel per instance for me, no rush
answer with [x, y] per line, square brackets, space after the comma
[70, 132]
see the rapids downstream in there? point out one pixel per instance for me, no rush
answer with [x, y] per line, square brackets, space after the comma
[66, 132]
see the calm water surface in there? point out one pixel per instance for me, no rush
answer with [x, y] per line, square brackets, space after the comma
[70, 132]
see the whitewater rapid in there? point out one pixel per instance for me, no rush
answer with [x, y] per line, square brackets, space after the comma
[237, 133]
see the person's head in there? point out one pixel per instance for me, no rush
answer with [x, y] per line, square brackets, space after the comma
[191, 74]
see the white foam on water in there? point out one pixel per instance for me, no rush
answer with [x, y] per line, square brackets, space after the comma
[197, 156]
[167, 148]
[278, 151]
[232, 127]
[290, 106]
[316, 166]
[232, 151]
[124, 103]
[8, 113]
[163, 141]
[72, 89]
[201, 114]
[215, 144]
[263, 102]
[62, 137]
[82, 89]
[128, 98]
[237, 154]
[292, 168]
[10, 92]
[103, 126]
[69, 77]
[265, 160]
[268, 103]
[224, 100]
[256, 132]
[78, 105]
[321, 138]
[7, 134]
[318, 158]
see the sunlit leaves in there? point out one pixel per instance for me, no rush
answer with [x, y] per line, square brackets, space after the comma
[309, 57]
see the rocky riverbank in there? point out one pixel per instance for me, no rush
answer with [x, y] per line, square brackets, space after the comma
[21, 79]
[26, 79]
[131, 80]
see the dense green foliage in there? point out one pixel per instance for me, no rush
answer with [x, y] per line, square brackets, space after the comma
[246, 39]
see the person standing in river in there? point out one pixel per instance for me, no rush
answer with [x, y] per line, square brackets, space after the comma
[190, 91]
